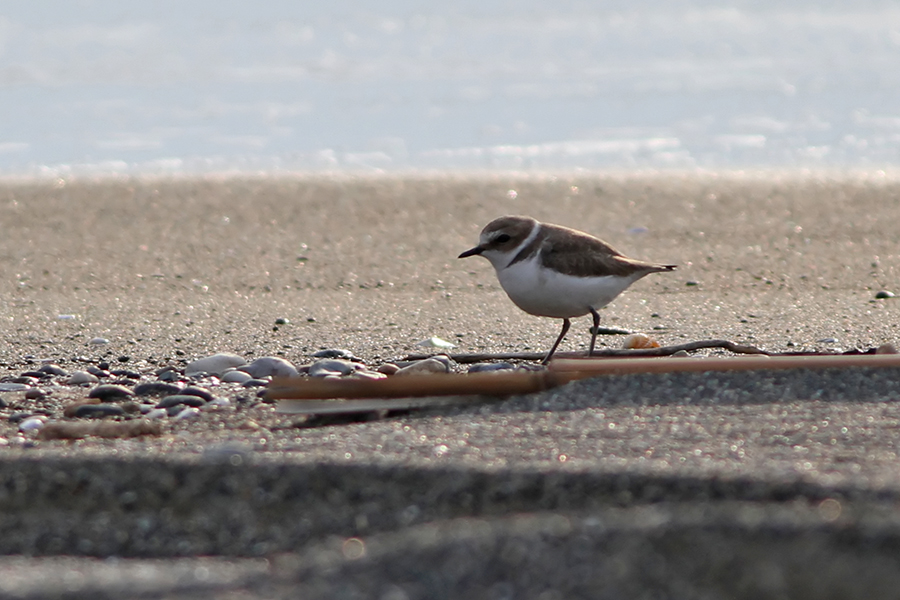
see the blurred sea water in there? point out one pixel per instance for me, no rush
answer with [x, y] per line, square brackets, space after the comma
[102, 86]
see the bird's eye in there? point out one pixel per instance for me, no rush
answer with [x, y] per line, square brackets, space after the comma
[502, 238]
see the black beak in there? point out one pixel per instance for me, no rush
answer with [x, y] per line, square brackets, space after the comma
[472, 252]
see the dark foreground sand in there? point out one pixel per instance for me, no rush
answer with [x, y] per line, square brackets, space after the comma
[740, 486]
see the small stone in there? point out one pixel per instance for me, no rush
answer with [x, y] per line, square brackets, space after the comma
[35, 394]
[269, 366]
[218, 402]
[156, 413]
[13, 387]
[236, 377]
[329, 366]
[169, 375]
[19, 417]
[188, 413]
[69, 409]
[199, 392]
[81, 377]
[828, 340]
[181, 399]
[153, 388]
[51, 369]
[388, 368]
[98, 341]
[32, 423]
[424, 367]
[110, 392]
[255, 383]
[436, 342]
[444, 359]
[691, 283]
[282, 321]
[98, 411]
[883, 294]
[490, 367]
[35, 375]
[125, 373]
[365, 374]
[98, 371]
[336, 353]
[216, 364]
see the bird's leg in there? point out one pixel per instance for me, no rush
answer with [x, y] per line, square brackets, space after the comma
[562, 334]
[596, 316]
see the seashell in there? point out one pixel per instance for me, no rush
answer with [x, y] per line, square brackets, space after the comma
[636, 341]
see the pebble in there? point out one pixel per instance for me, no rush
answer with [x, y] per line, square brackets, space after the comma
[489, 367]
[188, 413]
[35, 394]
[52, 369]
[169, 375]
[883, 294]
[236, 377]
[13, 387]
[125, 373]
[388, 368]
[199, 392]
[156, 388]
[444, 359]
[219, 402]
[436, 342]
[110, 392]
[424, 367]
[217, 364]
[19, 417]
[32, 423]
[330, 366]
[269, 366]
[99, 341]
[180, 399]
[98, 411]
[34, 375]
[97, 371]
[254, 383]
[156, 413]
[336, 353]
[365, 374]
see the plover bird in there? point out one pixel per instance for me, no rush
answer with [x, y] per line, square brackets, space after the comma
[553, 271]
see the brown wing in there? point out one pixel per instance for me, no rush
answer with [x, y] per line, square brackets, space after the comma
[581, 255]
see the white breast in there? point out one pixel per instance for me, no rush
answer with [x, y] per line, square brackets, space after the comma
[548, 293]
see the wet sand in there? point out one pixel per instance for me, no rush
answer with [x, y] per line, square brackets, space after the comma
[171, 270]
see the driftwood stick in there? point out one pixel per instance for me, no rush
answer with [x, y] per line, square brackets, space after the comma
[495, 384]
[581, 368]
[295, 393]
[608, 352]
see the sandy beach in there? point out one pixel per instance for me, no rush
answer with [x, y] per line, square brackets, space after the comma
[170, 270]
